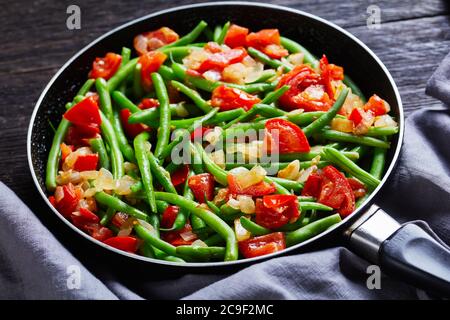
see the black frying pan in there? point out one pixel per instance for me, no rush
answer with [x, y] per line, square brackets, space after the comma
[407, 252]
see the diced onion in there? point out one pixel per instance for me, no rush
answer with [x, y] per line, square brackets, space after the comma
[235, 73]
[213, 136]
[188, 235]
[342, 125]
[199, 243]
[233, 203]
[89, 192]
[241, 233]
[246, 178]
[195, 58]
[147, 226]
[212, 75]
[296, 58]
[128, 166]
[221, 195]
[105, 180]
[89, 175]
[181, 110]
[304, 174]
[124, 185]
[218, 157]
[384, 121]
[246, 204]
[59, 193]
[291, 172]
[65, 177]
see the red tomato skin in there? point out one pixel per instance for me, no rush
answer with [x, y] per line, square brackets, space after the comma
[262, 245]
[220, 60]
[227, 98]
[300, 78]
[312, 185]
[180, 176]
[376, 105]
[274, 211]
[199, 133]
[201, 185]
[236, 36]
[174, 238]
[148, 103]
[275, 51]
[128, 244]
[336, 192]
[356, 116]
[84, 113]
[69, 202]
[86, 162]
[263, 38]
[119, 219]
[257, 190]
[105, 67]
[290, 137]
[150, 62]
[82, 217]
[66, 150]
[79, 135]
[169, 215]
[131, 129]
[359, 189]
[330, 72]
[52, 200]
[97, 231]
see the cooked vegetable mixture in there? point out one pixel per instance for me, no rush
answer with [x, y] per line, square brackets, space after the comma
[236, 147]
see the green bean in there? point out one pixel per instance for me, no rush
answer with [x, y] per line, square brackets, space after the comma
[265, 76]
[208, 34]
[326, 118]
[223, 32]
[168, 149]
[218, 118]
[212, 220]
[118, 205]
[259, 108]
[214, 240]
[361, 200]
[138, 91]
[228, 213]
[254, 228]
[180, 220]
[350, 167]
[172, 167]
[116, 155]
[300, 222]
[378, 163]
[54, 155]
[104, 97]
[161, 206]
[219, 174]
[382, 131]
[280, 188]
[305, 205]
[177, 52]
[213, 207]
[273, 63]
[294, 47]
[144, 167]
[197, 163]
[98, 146]
[275, 95]
[188, 38]
[201, 253]
[126, 54]
[163, 134]
[150, 116]
[217, 32]
[361, 150]
[85, 87]
[311, 230]
[152, 239]
[166, 72]
[179, 71]
[209, 86]
[121, 75]
[347, 137]
[306, 156]
[306, 199]
[193, 95]
[355, 89]
[288, 184]
[305, 118]
[160, 173]
[122, 140]
[198, 226]
[123, 102]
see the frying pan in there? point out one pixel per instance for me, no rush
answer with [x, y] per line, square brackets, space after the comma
[406, 252]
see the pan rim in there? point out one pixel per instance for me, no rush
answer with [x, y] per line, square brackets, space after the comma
[355, 214]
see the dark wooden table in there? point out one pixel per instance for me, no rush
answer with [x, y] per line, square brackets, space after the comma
[412, 39]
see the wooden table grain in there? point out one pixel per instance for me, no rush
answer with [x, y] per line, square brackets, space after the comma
[412, 39]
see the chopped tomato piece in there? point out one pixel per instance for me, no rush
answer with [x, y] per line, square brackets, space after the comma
[131, 129]
[259, 246]
[336, 192]
[377, 105]
[312, 185]
[274, 211]
[152, 40]
[105, 67]
[263, 38]
[259, 189]
[80, 134]
[66, 150]
[84, 113]
[169, 215]
[68, 203]
[148, 103]
[359, 189]
[198, 133]
[275, 51]
[174, 237]
[119, 219]
[82, 217]
[290, 137]
[52, 200]
[128, 244]
[236, 36]
[219, 60]
[86, 162]
[356, 116]
[180, 175]
[306, 91]
[227, 98]
[150, 62]
[202, 185]
[328, 73]
[98, 232]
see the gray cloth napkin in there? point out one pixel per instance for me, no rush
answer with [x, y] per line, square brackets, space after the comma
[35, 265]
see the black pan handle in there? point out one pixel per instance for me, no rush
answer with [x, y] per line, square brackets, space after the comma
[406, 252]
